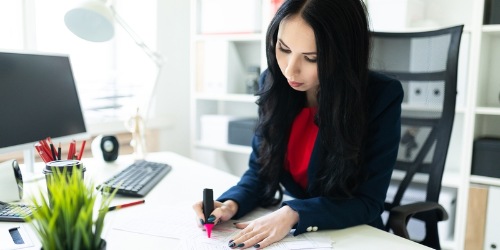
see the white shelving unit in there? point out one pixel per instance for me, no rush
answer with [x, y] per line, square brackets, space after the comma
[247, 50]
[478, 100]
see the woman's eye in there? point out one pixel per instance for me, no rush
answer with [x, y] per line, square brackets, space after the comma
[312, 60]
[284, 50]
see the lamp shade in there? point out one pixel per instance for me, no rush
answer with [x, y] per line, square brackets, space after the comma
[92, 21]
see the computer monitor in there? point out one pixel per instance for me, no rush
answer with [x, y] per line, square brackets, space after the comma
[38, 99]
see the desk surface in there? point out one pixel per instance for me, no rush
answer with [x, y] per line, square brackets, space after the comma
[184, 185]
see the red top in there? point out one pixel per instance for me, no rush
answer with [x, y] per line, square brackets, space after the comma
[301, 144]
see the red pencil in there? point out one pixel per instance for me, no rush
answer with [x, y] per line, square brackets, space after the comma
[81, 150]
[72, 150]
[126, 205]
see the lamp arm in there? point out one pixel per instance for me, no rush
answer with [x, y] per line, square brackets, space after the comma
[156, 57]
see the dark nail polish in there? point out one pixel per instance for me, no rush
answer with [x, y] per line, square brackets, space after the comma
[202, 222]
[211, 218]
[241, 245]
[256, 245]
[231, 244]
[230, 241]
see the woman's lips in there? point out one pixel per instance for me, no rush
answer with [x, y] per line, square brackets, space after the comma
[295, 84]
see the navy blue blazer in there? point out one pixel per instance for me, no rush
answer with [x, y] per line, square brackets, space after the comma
[315, 211]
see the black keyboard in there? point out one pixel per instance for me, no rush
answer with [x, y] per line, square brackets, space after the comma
[137, 179]
[15, 212]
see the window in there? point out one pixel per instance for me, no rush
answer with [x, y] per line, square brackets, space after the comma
[112, 77]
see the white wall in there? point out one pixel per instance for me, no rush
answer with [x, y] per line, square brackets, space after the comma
[173, 89]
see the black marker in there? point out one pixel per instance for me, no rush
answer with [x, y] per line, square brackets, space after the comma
[208, 207]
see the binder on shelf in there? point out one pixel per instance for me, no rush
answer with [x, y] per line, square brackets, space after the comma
[491, 239]
[221, 68]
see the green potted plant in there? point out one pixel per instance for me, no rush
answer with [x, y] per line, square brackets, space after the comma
[66, 219]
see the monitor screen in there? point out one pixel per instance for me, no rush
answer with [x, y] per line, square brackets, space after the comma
[38, 99]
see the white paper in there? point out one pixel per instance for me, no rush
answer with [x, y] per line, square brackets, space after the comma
[179, 223]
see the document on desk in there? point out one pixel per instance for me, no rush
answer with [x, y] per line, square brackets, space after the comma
[15, 238]
[177, 222]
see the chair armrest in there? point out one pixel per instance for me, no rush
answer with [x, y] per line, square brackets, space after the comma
[399, 216]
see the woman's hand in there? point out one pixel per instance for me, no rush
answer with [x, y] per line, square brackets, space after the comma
[265, 230]
[222, 212]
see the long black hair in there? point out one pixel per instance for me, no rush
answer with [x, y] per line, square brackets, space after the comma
[342, 37]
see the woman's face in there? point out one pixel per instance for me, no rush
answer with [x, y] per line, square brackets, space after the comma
[296, 55]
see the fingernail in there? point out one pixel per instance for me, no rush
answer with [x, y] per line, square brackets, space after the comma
[241, 245]
[256, 245]
[230, 241]
[202, 222]
[211, 218]
[231, 244]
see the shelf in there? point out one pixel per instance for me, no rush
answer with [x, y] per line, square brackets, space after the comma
[225, 147]
[487, 111]
[491, 181]
[410, 107]
[491, 28]
[226, 97]
[450, 178]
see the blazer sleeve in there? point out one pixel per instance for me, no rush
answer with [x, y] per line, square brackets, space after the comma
[318, 213]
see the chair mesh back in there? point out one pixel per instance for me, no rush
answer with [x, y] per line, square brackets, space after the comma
[426, 65]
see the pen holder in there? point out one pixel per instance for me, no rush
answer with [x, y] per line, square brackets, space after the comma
[61, 166]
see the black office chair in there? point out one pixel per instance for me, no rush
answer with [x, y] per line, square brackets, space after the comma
[426, 64]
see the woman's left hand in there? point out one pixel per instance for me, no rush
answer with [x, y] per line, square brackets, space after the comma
[265, 230]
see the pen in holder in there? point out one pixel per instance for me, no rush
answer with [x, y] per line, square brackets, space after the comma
[61, 166]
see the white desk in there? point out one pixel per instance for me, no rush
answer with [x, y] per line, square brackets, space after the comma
[184, 185]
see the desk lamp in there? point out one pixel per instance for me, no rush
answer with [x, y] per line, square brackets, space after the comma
[93, 20]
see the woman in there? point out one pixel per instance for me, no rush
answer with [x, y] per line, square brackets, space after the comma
[328, 128]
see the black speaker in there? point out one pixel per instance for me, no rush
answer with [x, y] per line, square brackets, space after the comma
[105, 147]
[486, 157]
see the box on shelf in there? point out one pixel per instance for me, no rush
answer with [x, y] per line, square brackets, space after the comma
[221, 68]
[241, 131]
[486, 156]
[230, 16]
[416, 192]
[214, 128]
[492, 12]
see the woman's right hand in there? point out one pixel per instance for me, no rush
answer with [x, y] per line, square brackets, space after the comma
[222, 212]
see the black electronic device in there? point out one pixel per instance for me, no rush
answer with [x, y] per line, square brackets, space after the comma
[105, 147]
[138, 178]
[15, 212]
[39, 99]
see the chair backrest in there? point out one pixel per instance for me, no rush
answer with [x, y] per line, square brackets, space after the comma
[426, 64]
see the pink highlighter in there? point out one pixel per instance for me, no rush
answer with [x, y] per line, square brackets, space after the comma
[208, 208]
